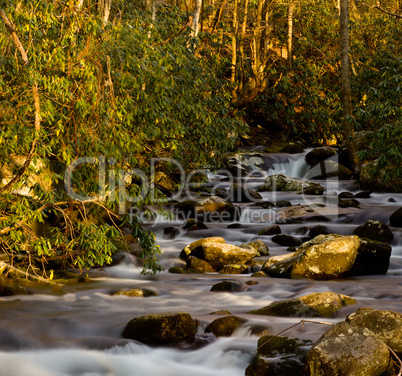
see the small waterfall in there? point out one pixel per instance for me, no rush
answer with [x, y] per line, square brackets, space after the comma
[295, 167]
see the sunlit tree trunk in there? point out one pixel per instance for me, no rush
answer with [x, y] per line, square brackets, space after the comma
[291, 9]
[234, 51]
[104, 7]
[242, 41]
[218, 14]
[345, 78]
[196, 18]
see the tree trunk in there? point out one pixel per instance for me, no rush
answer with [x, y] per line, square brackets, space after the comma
[196, 18]
[104, 7]
[242, 41]
[348, 130]
[291, 9]
[234, 52]
[218, 14]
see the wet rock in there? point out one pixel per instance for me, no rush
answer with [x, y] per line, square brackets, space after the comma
[322, 258]
[235, 225]
[286, 240]
[375, 230]
[279, 356]
[161, 329]
[330, 169]
[271, 230]
[292, 148]
[395, 219]
[348, 203]
[228, 286]
[211, 208]
[320, 154]
[187, 249]
[260, 247]
[372, 258]
[364, 194]
[330, 259]
[241, 193]
[280, 182]
[318, 230]
[283, 204]
[180, 270]
[234, 269]
[259, 274]
[346, 195]
[170, 232]
[265, 204]
[346, 350]
[138, 292]
[199, 265]
[385, 325]
[220, 254]
[225, 326]
[221, 312]
[192, 224]
[321, 304]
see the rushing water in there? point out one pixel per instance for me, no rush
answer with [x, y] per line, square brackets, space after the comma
[78, 331]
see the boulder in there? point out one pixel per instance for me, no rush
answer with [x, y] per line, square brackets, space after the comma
[241, 193]
[322, 258]
[260, 247]
[228, 286]
[211, 208]
[348, 203]
[320, 154]
[372, 258]
[330, 169]
[320, 304]
[271, 230]
[330, 259]
[395, 219]
[283, 204]
[347, 351]
[220, 254]
[162, 328]
[279, 356]
[292, 148]
[318, 230]
[234, 269]
[221, 312]
[170, 232]
[280, 182]
[199, 265]
[374, 230]
[187, 249]
[192, 224]
[385, 325]
[138, 292]
[225, 326]
[286, 240]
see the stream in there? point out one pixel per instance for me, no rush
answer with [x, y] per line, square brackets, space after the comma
[78, 331]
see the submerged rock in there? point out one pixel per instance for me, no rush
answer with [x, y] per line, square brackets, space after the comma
[346, 350]
[161, 329]
[280, 182]
[320, 304]
[375, 230]
[225, 326]
[228, 286]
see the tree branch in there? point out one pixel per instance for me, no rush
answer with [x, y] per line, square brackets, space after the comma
[382, 10]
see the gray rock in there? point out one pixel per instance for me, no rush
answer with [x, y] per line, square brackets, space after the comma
[347, 351]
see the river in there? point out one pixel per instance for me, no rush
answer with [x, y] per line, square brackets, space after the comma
[77, 331]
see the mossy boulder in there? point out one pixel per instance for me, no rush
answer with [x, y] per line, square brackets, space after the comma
[385, 325]
[187, 249]
[320, 154]
[322, 258]
[280, 182]
[137, 292]
[220, 254]
[161, 328]
[228, 286]
[347, 350]
[374, 230]
[199, 265]
[321, 304]
[260, 247]
[234, 269]
[225, 326]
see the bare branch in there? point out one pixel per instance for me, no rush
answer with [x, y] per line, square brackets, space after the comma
[382, 10]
